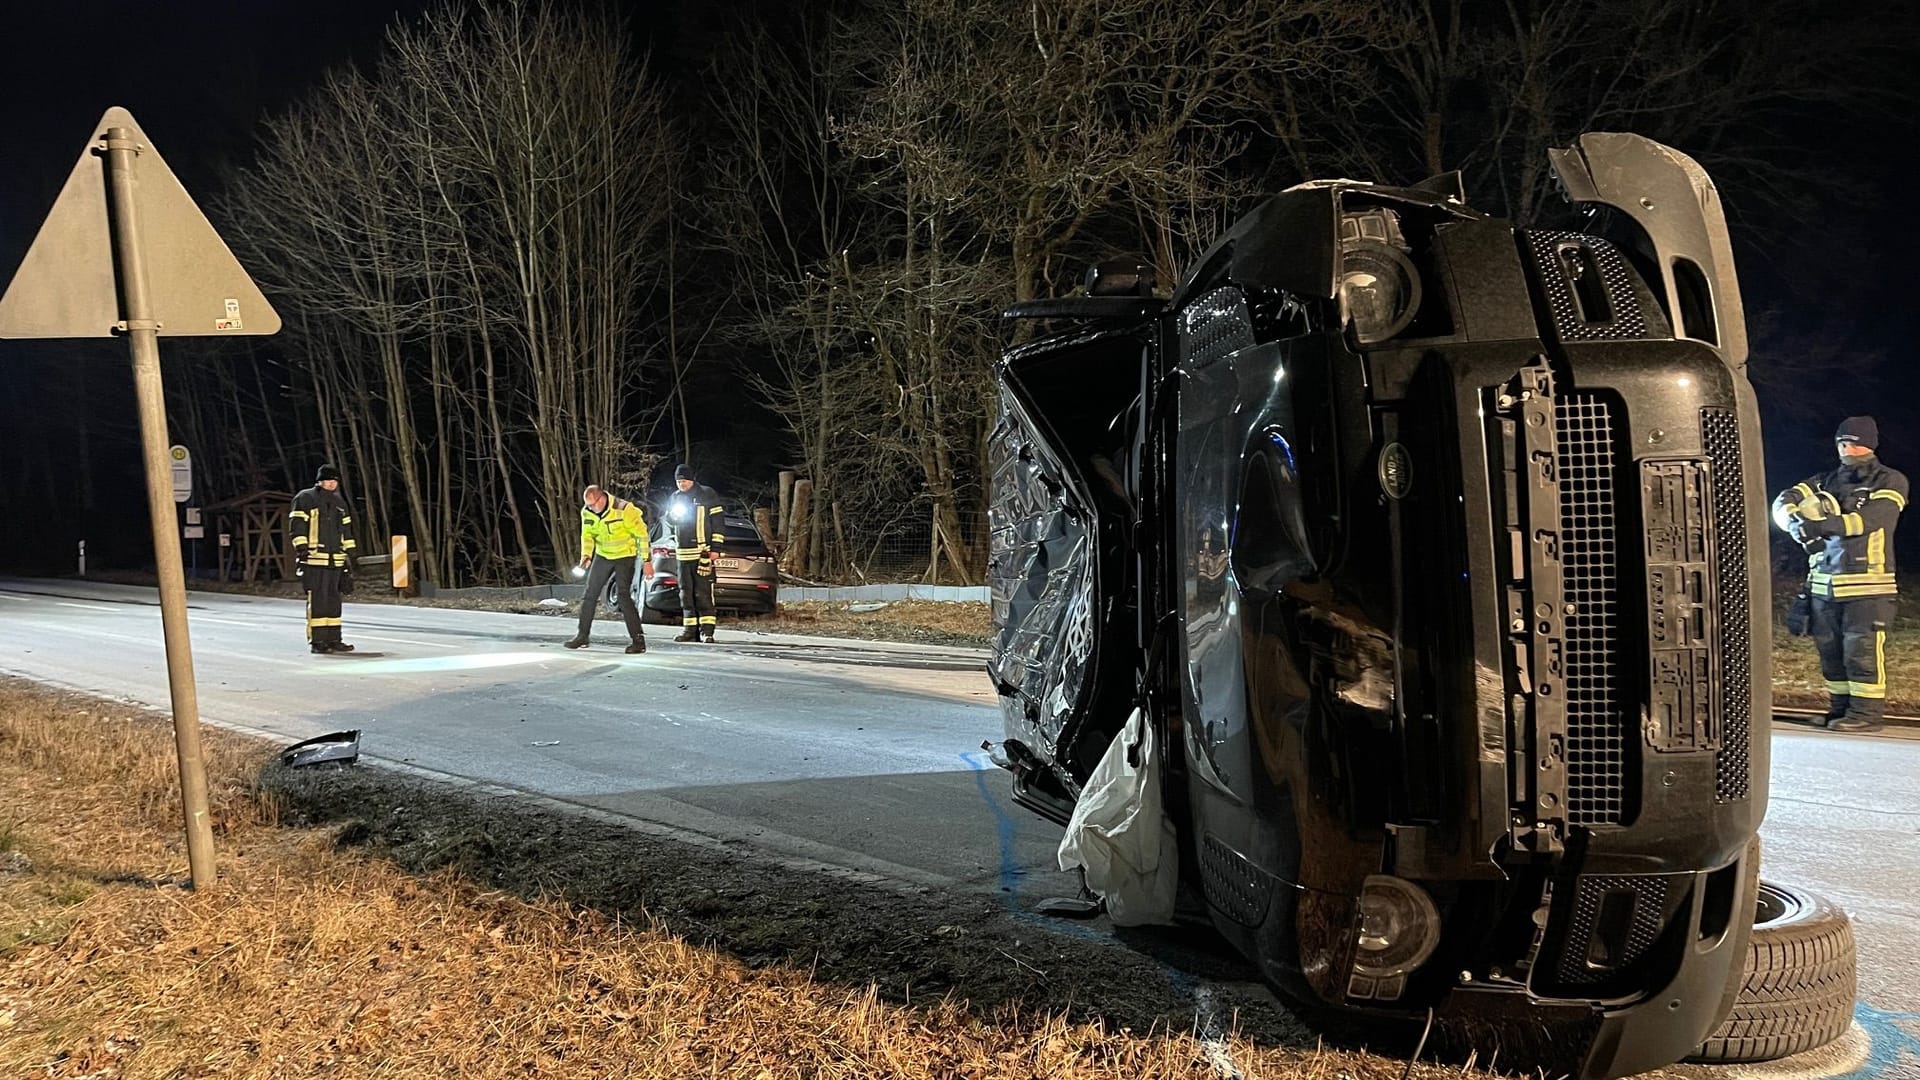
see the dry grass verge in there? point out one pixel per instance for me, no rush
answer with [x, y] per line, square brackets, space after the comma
[932, 621]
[313, 959]
[1797, 682]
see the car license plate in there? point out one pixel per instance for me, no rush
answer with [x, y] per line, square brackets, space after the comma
[732, 564]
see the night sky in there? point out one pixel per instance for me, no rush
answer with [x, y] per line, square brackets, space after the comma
[200, 75]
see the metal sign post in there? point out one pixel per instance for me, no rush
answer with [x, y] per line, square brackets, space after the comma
[144, 342]
[125, 251]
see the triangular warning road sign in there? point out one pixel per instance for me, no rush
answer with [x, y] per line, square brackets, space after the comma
[65, 287]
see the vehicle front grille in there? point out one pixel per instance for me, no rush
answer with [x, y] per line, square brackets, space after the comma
[1625, 912]
[1570, 266]
[1590, 556]
[1721, 433]
[1233, 883]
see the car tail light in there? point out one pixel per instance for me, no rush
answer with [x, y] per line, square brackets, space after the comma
[669, 583]
[763, 585]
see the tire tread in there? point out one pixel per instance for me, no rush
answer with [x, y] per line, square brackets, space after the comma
[1798, 989]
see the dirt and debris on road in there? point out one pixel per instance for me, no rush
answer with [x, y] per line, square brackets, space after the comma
[371, 922]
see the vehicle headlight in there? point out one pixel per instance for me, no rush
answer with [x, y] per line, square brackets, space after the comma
[1398, 928]
[1379, 290]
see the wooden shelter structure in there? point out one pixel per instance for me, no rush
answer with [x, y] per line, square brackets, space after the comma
[257, 524]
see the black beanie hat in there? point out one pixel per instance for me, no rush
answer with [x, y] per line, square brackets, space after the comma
[683, 471]
[327, 472]
[1860, 431]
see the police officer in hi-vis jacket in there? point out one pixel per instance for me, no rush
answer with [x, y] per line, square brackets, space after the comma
[613, 537]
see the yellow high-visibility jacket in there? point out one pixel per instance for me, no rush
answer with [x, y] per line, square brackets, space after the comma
[617, 532]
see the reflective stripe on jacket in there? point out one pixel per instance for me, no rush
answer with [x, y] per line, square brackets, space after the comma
[320, 527]
[618, 532]
[1847, 518]
[698, 532]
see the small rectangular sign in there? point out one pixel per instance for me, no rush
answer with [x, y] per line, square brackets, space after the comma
[193, 515]
[182, 463]
[196, 532]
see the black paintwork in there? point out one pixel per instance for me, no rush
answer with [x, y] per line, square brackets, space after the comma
[1335, 577]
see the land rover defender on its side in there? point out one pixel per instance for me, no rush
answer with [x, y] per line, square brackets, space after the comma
[1435, 551]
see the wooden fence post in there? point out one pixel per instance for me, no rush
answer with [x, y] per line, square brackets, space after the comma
[799, 528]
[786, 502]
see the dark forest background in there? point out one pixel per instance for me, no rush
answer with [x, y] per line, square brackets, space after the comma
[518, 246]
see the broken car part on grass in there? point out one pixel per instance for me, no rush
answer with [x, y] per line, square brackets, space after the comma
[335, 748]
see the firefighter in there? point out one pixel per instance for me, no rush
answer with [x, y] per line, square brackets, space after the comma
[321, 528]
[1845, 519]
[613, 537]
[697, 513]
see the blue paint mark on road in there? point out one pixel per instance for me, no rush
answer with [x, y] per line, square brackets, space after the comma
[1894, 1047]
[1010, 871]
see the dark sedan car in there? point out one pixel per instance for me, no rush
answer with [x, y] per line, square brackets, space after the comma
[749, 581]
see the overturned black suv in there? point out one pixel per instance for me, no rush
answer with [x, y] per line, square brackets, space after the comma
[1435, 552]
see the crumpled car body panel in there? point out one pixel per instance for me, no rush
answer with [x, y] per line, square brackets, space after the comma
[1042, 581]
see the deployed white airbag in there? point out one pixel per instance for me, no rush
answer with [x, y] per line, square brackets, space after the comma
[1120, 833]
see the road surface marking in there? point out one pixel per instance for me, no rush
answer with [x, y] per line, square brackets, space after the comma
[83, 607]
[199, 647]
[408, 641]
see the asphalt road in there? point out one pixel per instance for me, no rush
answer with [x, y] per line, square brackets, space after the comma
[854, 754]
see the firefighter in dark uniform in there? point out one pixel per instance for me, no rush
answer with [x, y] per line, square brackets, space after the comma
[697, 513]
[1845, 519]
[321, 528]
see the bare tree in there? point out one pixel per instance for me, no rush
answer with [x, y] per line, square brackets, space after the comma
[466, 240]
[1488, 88]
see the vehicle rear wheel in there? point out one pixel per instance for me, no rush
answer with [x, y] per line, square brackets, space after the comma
[1799, 982]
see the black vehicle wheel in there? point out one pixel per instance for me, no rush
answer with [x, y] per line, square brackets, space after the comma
[1799, 986]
